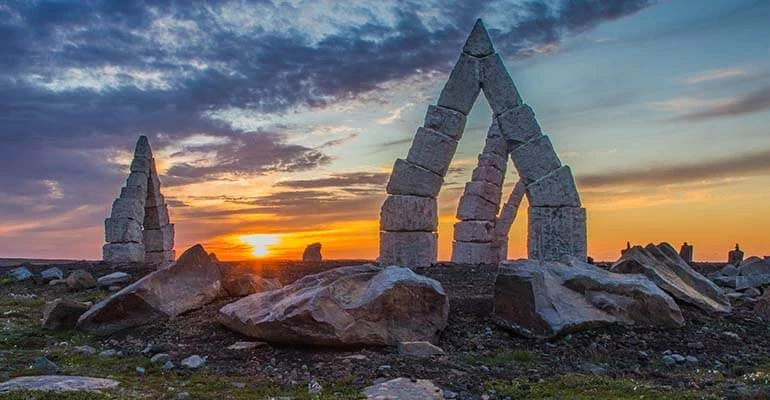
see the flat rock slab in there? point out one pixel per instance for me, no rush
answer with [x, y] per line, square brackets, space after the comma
[58, 384]
[547, 299]
[62, 313]
[404, 389]
[671, 273]
[358, 305]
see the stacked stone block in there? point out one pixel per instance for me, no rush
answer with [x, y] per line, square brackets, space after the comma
[506, 219]
[138, 229]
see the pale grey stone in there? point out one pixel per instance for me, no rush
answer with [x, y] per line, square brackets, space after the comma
[404, 389]
[497, 85]
[20, 274]
[156, 217]
[474, 231]
[518, 125]
[134, 192]
[57, 384]
[161, 239]
[493, 160]
[127, 208]
[408, 213]
[410, 179]
[246, 345]
[495, 143]
[193, 362]
[62, 313]
[535, 159]
[114, 278]
[473, 207]
[462, 88]
[137, 179]
[160, 258]
[160, 358]
[420, 349]
[142, 149]
[556, 189]
[473, 253]
[488, 174]
[123, 252]
[51, 274]
[485, 190]
[478, 43]
[122, 230]
[140, 165]
[510, 210]
[446, 121]
[408, 249]
[554, 232]
[432, 150]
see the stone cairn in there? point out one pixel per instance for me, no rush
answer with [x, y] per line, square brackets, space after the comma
[735, 256]
[686, 252]
[138, 229]
[409, 220]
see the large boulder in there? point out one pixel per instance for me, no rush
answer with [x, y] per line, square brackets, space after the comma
[358, 305]
[62, 313]
[671, 273]
[245, 284]
[545, 299]
[312, 253]
[191, 282]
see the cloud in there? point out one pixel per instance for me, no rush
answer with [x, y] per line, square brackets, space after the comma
[742, 165]
[338, 180]
[753, 102]
[716, 75]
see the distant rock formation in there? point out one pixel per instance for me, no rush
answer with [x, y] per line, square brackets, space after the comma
[735, 256]
[138, 229]
[312, 253]
[686, 252]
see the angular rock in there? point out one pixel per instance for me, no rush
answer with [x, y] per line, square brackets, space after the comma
[488, 174]
[193, 362]
[473, 253]
[419, 349]
[750, 281]
[134, 192]
[410, 249]
[122, 230]
[127, 208]
[495, 143]
[161, 239]
[410, 179]
[142, 149]
[312, 253]
[493, 160]
[140, 165]
[404, 389]
[123, 252]
[137, 179]
[510, 210]
[80, 279]
[115, 278]
[535, 159]
[663, 266]
[762, 308]
[51, 274]
[190, 283]
[156, 217]
[478, 43]
[160, 258]
[754, 266]
[497, 85]
[556, 189]
[432, 150]
[358, 305]
[20, 274]
[472, 207]
[57, 384]
[554, 232]
[462, 88]
[485, 190]
[474, 231]
[408, 213]
[246, 284]
[446, 121]
[548, 299]
[518, 126]
[62, 313]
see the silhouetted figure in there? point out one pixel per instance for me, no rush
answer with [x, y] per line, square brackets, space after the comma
[686, 252]
[735, 257]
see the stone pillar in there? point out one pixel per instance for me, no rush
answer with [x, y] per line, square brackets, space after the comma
[686, 252]
[506, 220]
[735, 256]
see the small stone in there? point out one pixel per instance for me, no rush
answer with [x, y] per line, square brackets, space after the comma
[160, 358]
[140, 371]
[193, 362]
[113, 279]
[695, 345]
[246, 345]
[52, 274]
[183, 396]
[20, 274]
[691, 359]
[85, 350]
[678, 358]
[668, 360]
[419, 349]
[168, 366]
[80, 279]
[45, 365]
[108, 353]
[731, 335]
[313, 387]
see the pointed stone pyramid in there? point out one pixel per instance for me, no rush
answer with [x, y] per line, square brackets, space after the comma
[138, 229]
[409, 219]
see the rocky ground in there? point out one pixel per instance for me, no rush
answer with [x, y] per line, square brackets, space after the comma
[711, 357]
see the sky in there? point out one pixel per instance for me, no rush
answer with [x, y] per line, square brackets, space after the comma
[276, 124]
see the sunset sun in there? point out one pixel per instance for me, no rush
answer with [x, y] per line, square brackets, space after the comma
[260, 243]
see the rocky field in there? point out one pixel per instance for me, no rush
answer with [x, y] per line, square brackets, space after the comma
[710, 357]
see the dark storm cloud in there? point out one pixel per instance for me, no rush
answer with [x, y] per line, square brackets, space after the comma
[753, 102]
[742, 165]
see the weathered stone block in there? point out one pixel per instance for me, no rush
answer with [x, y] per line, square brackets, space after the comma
[473, 253]
[496, 145]
[408, 249]
[408, 213]
[474, 231]
[122, 230]
[160, 257]
[493, 160]
[127, 208]
[159, 239]
[472, 207]
[142, 149]
[411, 179]
[432, 150]
[498, 86]
[140, 165]
[556, 189]
[463, 86]
[554, 232]
[485, 190]
[518, 125]
[134, 192]
[123, 252]
[155, 200]
[478, 43]
[137, 179]
[488, 174]
[156, 217]
[446, 121]
[535, 159]
[509, 212]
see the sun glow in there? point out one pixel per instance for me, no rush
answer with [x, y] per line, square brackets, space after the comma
[260, 243]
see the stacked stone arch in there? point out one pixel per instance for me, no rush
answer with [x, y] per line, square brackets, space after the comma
[409, 218]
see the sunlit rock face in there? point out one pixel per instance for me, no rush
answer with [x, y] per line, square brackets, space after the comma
[359, 305]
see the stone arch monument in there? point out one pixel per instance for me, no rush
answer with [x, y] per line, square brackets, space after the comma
[409, 218]
[138, 229]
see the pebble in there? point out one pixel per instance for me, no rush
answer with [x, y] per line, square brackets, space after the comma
[140, 371]
[691, 359]
[160, 358]
[43, 364]
[183, 396]
[449, 395]
[313, 387]
[678, 358]
[193, 362]
[695, 345]
[108, 353]
[168, 366]
[731, 335]
[668, 360]
[85, 350]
